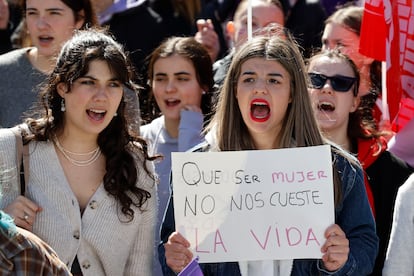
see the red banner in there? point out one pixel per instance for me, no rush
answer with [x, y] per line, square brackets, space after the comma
[398, 17]
[373, 31]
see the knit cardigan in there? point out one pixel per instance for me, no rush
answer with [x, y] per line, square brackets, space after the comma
[102, 238]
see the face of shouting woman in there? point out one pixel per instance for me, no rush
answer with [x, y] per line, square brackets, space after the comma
[333, 93]
[50, 24]
[175, 86]
[263, 95]
[92, 101]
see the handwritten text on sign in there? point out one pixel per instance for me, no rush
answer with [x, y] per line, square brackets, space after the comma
[254, 205]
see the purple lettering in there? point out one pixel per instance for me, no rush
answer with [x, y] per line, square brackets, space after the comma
[218, 241]
[263, 246]
[289, 236]
[311, 237]
[196, 248]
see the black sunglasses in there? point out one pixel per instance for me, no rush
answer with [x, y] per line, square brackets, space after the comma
[339, 83]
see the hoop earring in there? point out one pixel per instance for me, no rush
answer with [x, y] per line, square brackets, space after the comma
[62, 105]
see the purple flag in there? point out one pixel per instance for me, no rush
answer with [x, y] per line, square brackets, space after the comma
[192, 269]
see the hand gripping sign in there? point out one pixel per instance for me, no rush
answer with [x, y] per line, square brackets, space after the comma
[254, 205]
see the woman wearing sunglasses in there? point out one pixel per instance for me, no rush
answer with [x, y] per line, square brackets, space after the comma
[342, 32]
[334, 82]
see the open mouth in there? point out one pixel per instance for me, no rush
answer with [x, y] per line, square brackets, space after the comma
[96, 114]
[45, 39]
[326, 106]
[172, 102]
[325, 114]
[259, 110]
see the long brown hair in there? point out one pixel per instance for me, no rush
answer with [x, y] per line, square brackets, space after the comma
[299, 124]
[123, 149]
[300, 128]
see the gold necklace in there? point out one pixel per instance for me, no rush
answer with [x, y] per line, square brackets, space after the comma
[79, 163]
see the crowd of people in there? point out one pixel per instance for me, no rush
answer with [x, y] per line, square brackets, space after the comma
[102, 93]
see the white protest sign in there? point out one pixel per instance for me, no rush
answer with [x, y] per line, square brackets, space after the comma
[254, 205]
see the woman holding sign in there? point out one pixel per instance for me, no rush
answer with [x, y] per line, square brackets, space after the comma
[264, 104]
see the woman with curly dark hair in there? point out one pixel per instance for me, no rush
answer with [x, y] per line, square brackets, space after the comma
[91, 192]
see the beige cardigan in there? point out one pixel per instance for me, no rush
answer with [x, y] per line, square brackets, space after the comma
[103, 244]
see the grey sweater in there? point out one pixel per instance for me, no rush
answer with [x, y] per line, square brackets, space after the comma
[19, 86]
[103, 244]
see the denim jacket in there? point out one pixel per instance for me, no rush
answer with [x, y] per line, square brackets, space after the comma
[352, 214]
